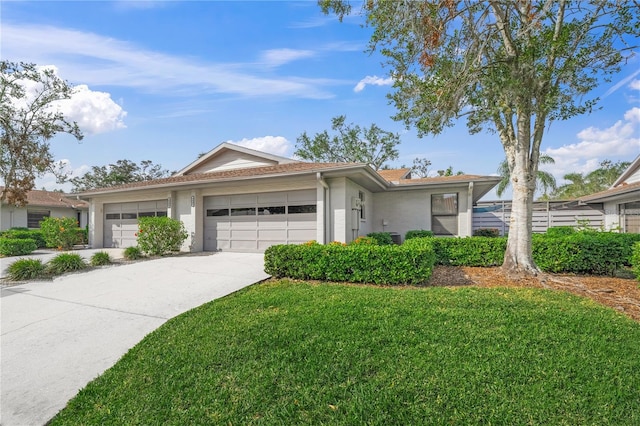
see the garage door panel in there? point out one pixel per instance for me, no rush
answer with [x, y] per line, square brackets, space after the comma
[272, 234]
[259, 230]
[243, 234]
[243, 245]
[121, 221]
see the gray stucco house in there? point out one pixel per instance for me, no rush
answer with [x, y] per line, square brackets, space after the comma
[235, 198]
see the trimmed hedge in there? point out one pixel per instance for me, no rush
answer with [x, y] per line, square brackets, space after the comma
[17, 246]
[23, 233]
[418, 234]
[635, 260]
[410, 263]
[487, 232]
[588, 252]
[470, 251]
[560, 231]
[382, 238]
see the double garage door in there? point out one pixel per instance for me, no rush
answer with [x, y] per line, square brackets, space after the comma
[121, 220]
[253, 222]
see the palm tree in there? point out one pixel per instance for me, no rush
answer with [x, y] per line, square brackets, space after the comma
[544, 179]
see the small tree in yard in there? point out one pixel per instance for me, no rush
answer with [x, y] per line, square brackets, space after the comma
[158, 236]
[511, 67]
[29, 118]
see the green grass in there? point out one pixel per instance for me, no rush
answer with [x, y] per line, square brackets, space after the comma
[284, 353]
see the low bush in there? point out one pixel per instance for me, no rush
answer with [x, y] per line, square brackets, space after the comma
[16, 246]
[160, 235]
[382, 238]
[470, 251]
[100, 258]
[487, 232]
[589, 252]
[366, 241]
[421, 233]
[132, 253]
[60, 232]
[635, 260]
[410, 263]
[24, 233]
[560, 231]
[26, 269]
[66, 262]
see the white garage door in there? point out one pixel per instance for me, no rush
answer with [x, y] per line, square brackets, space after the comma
[121, 220]
[254, 222]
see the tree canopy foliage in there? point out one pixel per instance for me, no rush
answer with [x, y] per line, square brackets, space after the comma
[120, 173]
[508, 67]
[29, 118]
[350, 143]
[580, 184]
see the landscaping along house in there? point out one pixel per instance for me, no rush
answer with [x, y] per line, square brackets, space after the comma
[238, 199]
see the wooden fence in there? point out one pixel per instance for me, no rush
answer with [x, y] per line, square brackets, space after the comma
[497, 214]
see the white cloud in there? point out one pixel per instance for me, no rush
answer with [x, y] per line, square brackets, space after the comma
[634, 85]
[277, 145]
[277, 57]
[622, 83]
[622, 140]
[95, 112]
[373, 80]
[95, 60]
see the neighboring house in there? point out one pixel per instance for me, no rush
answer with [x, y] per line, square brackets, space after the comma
[41, 204]
[621, 201]
[239, 199]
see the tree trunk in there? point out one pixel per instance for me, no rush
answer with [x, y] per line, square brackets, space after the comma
[518, 258]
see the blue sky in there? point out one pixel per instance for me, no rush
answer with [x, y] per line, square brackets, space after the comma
[166, 81]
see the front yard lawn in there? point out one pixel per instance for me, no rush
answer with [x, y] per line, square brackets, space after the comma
[298, 353]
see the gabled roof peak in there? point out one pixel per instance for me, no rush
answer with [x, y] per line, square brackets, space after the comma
[228, 146]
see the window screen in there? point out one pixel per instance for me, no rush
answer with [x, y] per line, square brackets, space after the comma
[444, 214]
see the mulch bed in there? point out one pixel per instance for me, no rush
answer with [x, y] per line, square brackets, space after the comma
[618, 293]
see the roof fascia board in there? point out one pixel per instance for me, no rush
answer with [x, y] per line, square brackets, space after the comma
[630, 170]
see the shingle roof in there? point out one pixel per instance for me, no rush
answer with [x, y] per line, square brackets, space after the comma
[266, 171]
[444, 179]
[53, 199]
[618, 190]
[393, 175]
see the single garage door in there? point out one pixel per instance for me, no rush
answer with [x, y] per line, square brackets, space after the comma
[253, 222]
[121, 220]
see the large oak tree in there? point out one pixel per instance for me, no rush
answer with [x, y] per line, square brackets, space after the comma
[28, 120]
[508, 66]
[349, 143]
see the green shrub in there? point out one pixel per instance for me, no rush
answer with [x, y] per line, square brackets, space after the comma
[422, 233]
[388, 264]
[382, 238]
[589, 252]
[100, 258]
[60, 232]
[560, 231]
[81, 236]
[132, 253]
[366, 241]
[160, 235]
[470, 251]
[487, 232]
[635, 260]
[16, 246]
[26, 269]
[66, 262]
[33, 234]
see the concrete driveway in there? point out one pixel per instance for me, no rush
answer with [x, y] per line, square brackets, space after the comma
[56, 336]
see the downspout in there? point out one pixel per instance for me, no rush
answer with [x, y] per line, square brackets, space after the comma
[470, 209]
[326, 201]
